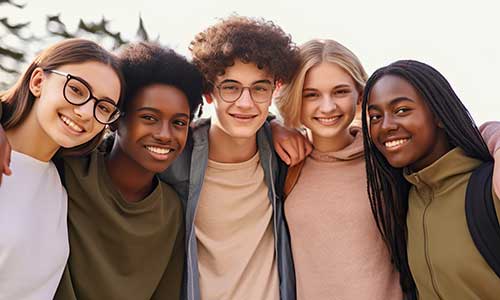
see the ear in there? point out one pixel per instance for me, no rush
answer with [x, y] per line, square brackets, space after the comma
[208, 98]
[440, 124]
[36, 80]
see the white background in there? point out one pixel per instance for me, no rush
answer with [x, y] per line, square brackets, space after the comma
[459, 38]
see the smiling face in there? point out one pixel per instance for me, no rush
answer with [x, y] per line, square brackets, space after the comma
[154, 130]
[242, 118]
[402, 127]
[65, 124]
[329, 101]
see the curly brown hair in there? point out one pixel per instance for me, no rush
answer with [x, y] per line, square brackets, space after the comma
[249, 40]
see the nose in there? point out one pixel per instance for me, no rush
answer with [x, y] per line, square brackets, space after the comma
[245, 100]
[327, 104]
[84, 112]
[163, 132]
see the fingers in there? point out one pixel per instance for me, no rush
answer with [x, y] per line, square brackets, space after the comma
[300, 155]
[282, 154]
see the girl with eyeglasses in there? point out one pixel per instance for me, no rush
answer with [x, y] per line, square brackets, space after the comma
[59, 106]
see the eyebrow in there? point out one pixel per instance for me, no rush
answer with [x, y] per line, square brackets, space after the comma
[393, 102]
[342, 85]
[255, 82]
[147, 108]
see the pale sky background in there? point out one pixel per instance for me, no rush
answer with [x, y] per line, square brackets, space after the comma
[459, 38]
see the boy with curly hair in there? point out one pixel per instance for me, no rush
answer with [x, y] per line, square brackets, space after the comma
[237, 241]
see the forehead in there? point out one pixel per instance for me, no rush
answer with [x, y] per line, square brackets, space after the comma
[246, 73]
[102, 78]
[391, 87]
[327, 73]
[162, 97]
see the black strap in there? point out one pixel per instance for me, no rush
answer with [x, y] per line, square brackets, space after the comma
[481, 215]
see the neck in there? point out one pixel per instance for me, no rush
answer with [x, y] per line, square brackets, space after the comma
[132, 180]
[331, 144]
[226, 149]
[29, 138]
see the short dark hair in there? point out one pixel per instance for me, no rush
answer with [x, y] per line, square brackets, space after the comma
[249, 40]
[145, 63]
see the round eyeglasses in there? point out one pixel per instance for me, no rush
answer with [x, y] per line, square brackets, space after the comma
[78, 92]
[260, 92]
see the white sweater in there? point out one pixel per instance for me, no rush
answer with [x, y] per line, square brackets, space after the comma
[33, 230]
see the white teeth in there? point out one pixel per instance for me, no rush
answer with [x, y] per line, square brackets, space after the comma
[159, 150]
[326, 120]
[71, 124]
[395, 143]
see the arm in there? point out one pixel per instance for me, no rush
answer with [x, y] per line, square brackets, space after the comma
[291, 146]
[491, 135]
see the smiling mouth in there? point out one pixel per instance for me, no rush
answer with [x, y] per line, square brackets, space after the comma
[71, 124]
[327, 121]
[242, 117]
[394, 144]
[159, 150]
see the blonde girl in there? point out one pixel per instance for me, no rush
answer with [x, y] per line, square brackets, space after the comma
[337, 249]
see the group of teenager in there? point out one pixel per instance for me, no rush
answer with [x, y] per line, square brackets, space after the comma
[111, 189]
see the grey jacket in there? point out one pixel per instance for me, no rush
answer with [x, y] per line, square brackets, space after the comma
[186, 176]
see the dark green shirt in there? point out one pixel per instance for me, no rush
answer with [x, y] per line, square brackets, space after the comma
[120, 250]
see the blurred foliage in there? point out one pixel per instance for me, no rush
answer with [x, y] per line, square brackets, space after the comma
[18, 44]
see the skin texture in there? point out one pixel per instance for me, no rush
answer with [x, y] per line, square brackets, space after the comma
[402, 127]
[157, 120]
[44, 127]
[234, 126]
[329, 103]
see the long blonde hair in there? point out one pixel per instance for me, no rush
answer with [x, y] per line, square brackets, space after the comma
[313, 53]
[18, 100]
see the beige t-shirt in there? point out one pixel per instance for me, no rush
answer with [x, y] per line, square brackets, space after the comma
[234, 232]
[337, 249]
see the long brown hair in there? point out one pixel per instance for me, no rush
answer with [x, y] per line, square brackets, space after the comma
[18, 100]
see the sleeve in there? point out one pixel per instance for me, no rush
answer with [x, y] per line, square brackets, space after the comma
[491, 135]
[171, 283]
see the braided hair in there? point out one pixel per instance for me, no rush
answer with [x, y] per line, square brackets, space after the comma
[387, 188]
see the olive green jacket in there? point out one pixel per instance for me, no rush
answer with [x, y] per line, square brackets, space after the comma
[443, 259]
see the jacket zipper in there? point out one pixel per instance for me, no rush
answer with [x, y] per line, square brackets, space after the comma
[426, 245]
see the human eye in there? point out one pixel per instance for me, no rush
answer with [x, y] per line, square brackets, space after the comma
[103, 107]
[342, 92]
[262, 88]
[230, 87]
[148, 118]
[401, 110]
[310, 95]
[374, 117]
[180, 123]
[75, 89]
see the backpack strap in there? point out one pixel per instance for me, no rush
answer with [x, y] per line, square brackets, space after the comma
[291, 178]
[481, 215]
